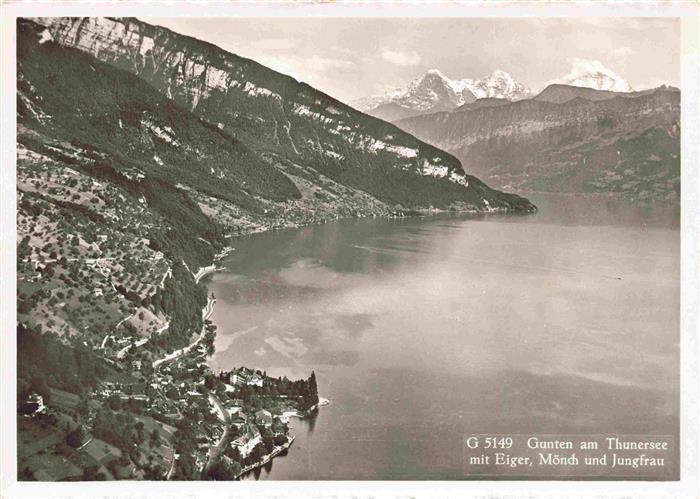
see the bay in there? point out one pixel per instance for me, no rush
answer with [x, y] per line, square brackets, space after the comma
[423, 330]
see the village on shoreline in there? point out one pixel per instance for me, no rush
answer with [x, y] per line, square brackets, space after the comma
[155, 412]
[204, 424]
[242, 415]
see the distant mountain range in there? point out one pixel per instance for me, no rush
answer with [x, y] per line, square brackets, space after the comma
[566, 139]
[587, 132]
[434, 92]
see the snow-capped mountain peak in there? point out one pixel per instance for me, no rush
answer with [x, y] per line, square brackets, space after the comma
[436, 72]
[434, 91]
[594, 74]
[498, 84]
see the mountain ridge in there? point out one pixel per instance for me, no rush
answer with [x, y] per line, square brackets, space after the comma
[567, 139]
[434, 92]
[559, 93]
[102, 150]
[270, 112]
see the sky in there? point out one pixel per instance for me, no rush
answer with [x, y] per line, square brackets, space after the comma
[350, 58]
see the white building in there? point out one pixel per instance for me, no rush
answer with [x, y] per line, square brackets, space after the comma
[255, 380]
[249, 438]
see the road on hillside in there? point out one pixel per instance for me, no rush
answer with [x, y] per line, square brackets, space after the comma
[216, 450]
[206, 313]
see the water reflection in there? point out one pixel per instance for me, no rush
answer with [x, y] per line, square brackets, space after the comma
[420, 330]
[310, 421]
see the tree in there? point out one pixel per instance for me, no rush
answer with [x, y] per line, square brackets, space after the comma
[83, 407]
[210, 381]
[114, 402]
[153, 473]
[171, 393]
[220, 471]
[140, 436]
[258, 452]
[268, 443]
[313, 388]
[75, 437]
[154, 439]
[186, 467]
[23, 249]
[236, 468]
[135, 454]
[233, 453]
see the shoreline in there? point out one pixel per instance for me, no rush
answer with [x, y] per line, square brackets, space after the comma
[267, 458]
[284, 417]
[213, 268]
[413, 213]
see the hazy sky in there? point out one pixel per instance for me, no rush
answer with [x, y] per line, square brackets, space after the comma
[355, 57]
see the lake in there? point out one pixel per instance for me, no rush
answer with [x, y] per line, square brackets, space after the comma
[423, 330]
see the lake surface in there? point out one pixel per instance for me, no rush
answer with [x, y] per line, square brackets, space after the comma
[423, 330]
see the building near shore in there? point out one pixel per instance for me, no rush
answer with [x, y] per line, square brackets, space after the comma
[247, 440]
[263, 417]
[255, 380]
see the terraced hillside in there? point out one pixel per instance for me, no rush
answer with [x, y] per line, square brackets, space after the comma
[141, 153]
[131, 184]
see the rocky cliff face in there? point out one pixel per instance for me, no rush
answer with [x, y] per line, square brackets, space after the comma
[289, 124]
[570, 139]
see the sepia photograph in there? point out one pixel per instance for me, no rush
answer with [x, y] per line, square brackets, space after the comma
[288, 248]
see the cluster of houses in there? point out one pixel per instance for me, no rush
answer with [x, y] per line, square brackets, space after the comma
[124, 392]
[239, 378]
[182, 388]
[249, 435]
[248, 424]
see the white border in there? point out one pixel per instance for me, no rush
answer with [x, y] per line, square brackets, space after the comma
[690, 242]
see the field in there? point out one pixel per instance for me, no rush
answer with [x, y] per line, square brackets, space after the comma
[35, 455]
